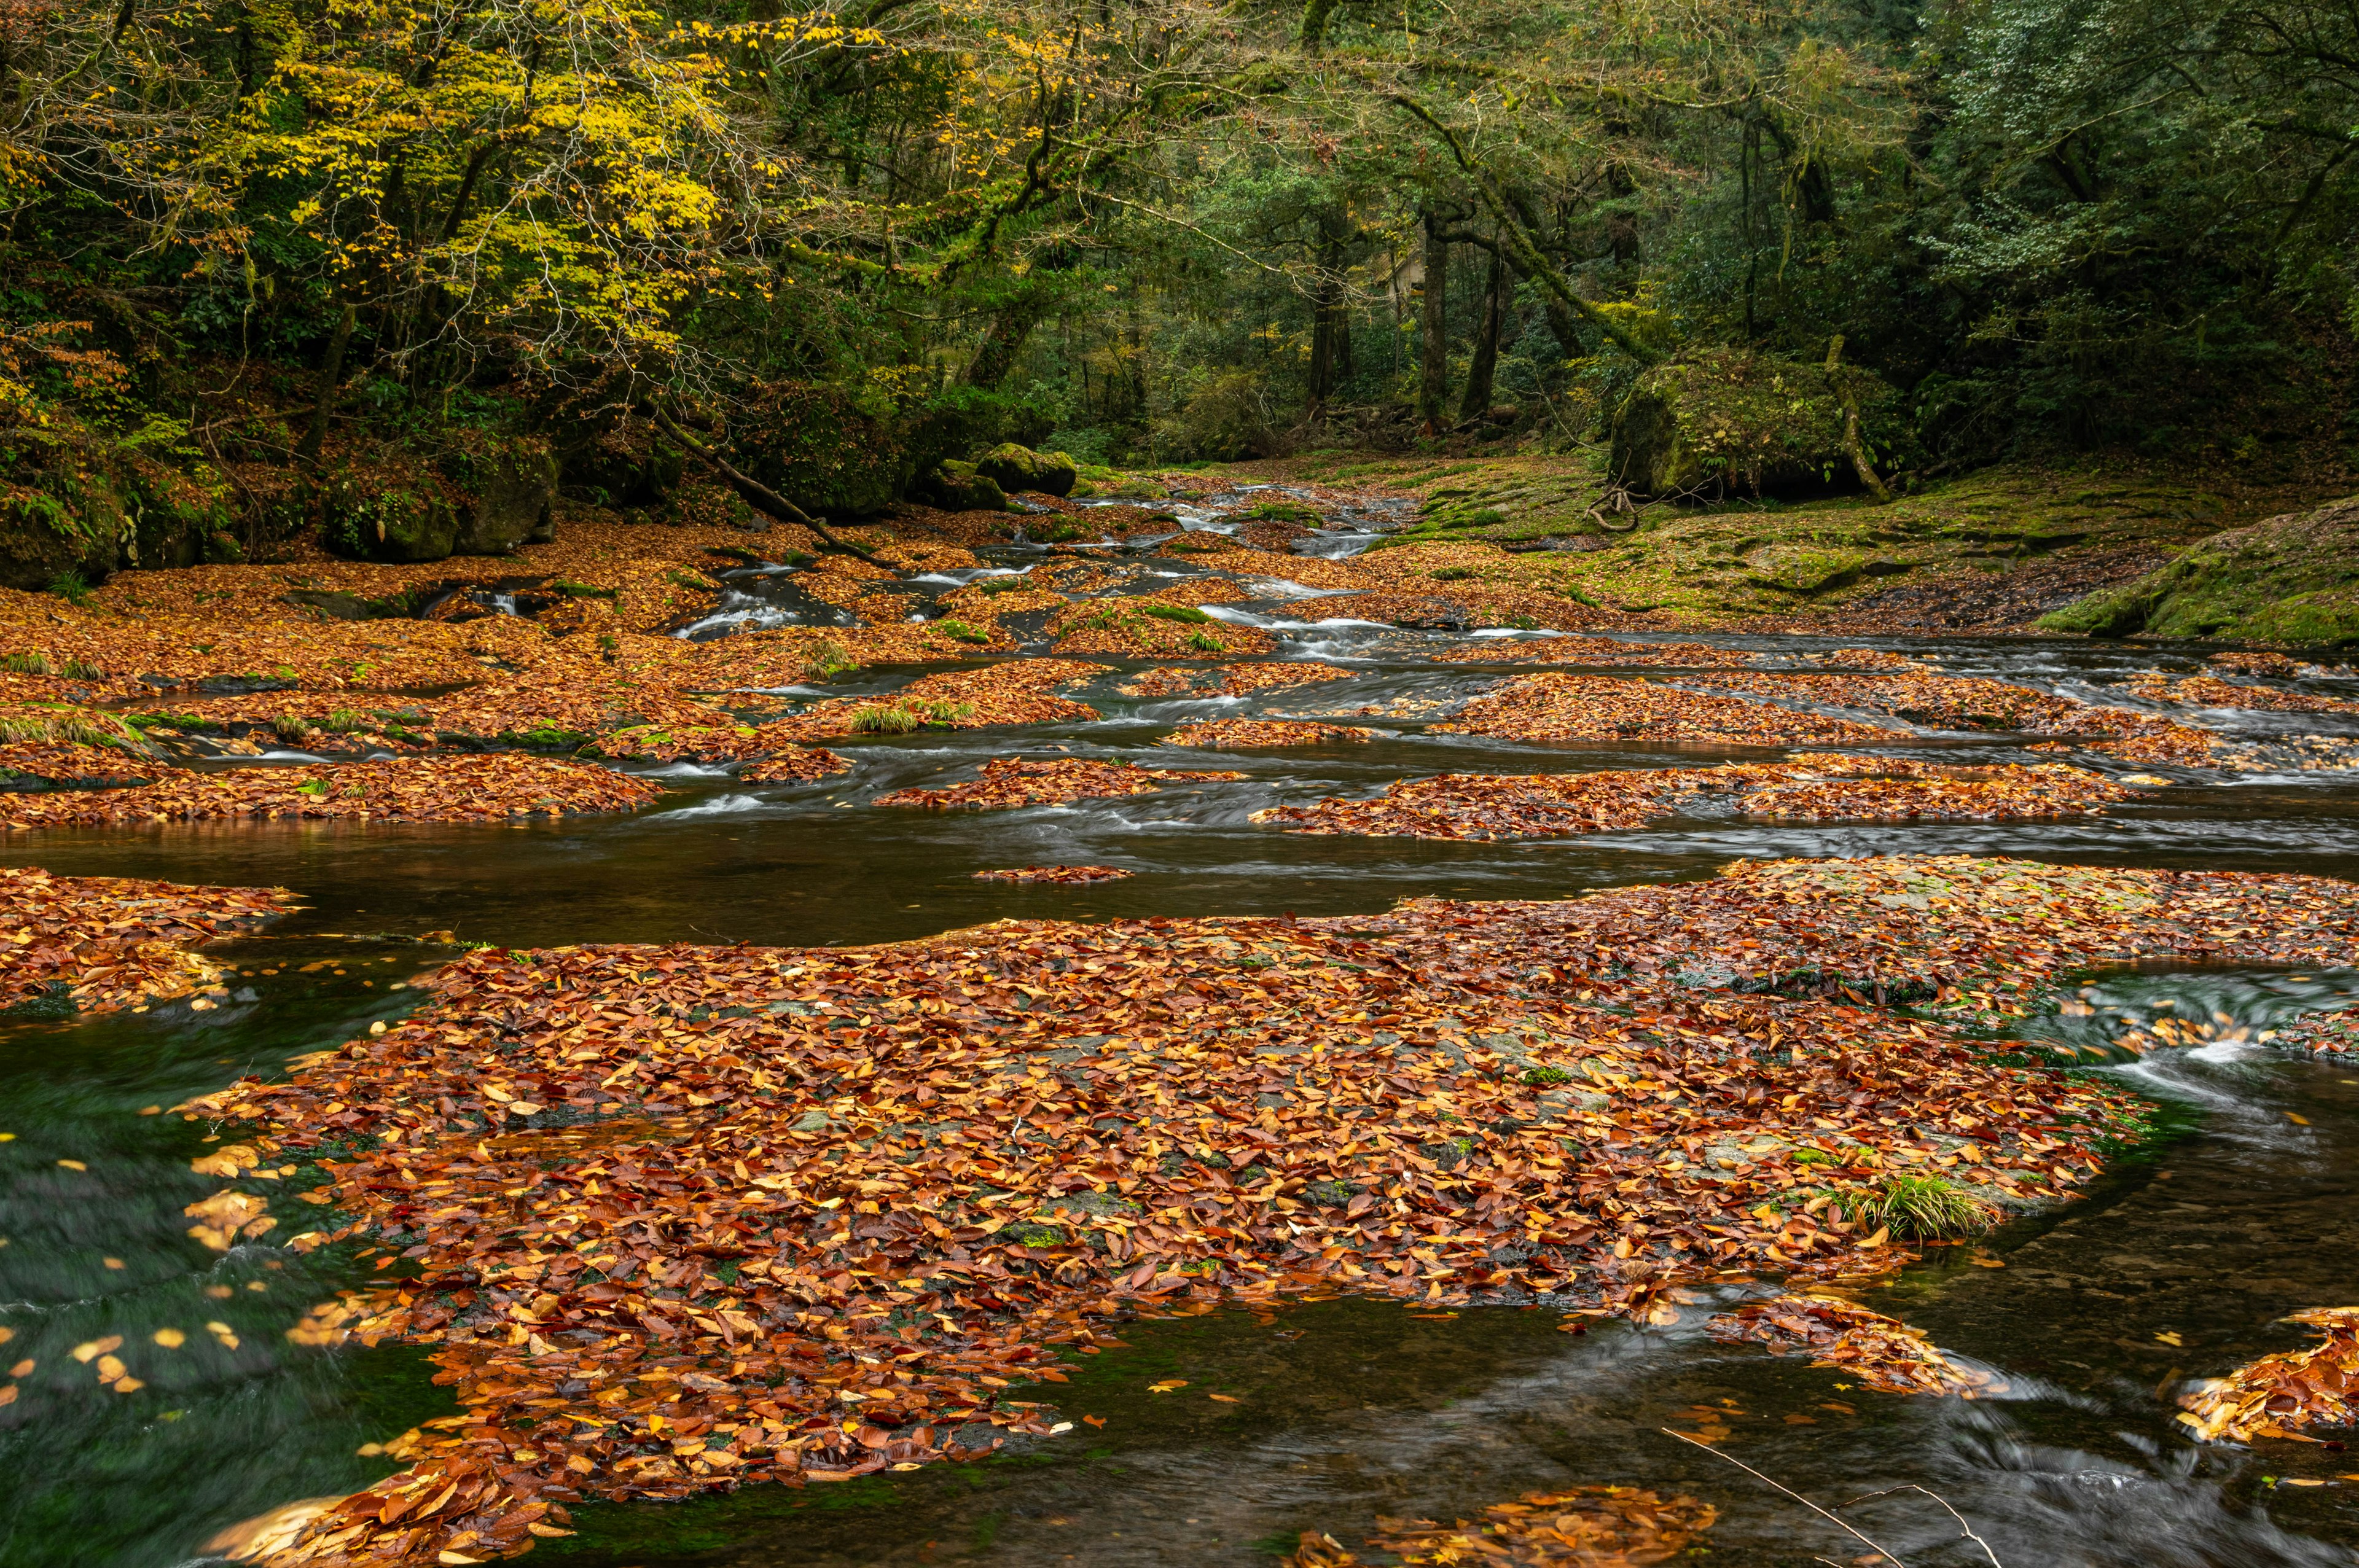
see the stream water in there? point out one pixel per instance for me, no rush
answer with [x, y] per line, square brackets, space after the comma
[1345, 1409]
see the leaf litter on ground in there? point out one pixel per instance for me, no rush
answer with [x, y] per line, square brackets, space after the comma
[684, 1216]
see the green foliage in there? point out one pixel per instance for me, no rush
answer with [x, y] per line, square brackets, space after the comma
[1173, 612]
[1924, 1206]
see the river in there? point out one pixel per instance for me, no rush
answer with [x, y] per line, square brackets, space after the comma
[1345, 1411]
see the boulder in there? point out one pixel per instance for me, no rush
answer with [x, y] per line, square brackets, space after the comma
[508, 488]
[1015, 468]
[820, 448]
[377, 511]
[960, 487]
[73, 529]
[479, 495]
[2292, 579]
[1724, 420]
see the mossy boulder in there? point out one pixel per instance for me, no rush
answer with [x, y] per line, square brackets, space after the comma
[960, 487]
[507, 486]
[66, 528]
[387, 511]
[2292, 579]
[626, 465]
[1015, 468]
[821, 448]
[1724, 420]
[478, 494]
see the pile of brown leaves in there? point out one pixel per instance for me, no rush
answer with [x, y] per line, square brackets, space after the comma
[2279, 1395]
[1016, 692]
[1972, 702]
[1060, 875]
[66, 763]
[1516, 806]
[1608, 651]
[1586, 1527]
[1010, 781]
[1253, 734]
[795, 765]
[1926, 794]
[688, 1216]
[110, 942]
[2211, 691]
[1128, 628]
[1883, 1353]
[1230, 680]
[1601, 708]
[410, 789]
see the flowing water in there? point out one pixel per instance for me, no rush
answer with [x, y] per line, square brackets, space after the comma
[1342, 1410]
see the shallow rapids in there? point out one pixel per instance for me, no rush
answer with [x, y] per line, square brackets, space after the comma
[1317, 1416]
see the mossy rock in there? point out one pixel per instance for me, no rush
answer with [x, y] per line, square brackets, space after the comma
[2292, 579]
[507, 485]
[68, 529]
[1804, 568]
[625, 466]
[957, 487]
[479, 494]
[818, 448]
[1015, 468]
[1725, 420]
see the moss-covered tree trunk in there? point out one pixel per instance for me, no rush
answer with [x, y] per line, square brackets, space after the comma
[1484, 370]
[1433, 321]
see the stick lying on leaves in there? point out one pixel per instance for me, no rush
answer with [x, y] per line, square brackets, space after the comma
[760, 494]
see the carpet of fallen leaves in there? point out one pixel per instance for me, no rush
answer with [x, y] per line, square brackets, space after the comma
[1586, 1527]
[74, 764]
[1883, 1353]
[1974, 703]
[1009, 782]
[2211, 691]
[1517, 806]
[1060, 875]
[796, 764]
[2279, 1395]
[1600, 708]
[1818, 788]
[1019, 691]
[407, 789]
[1229, 680]
[112, 942]
[683, 1217]
[1255, 734]
[1921, 792]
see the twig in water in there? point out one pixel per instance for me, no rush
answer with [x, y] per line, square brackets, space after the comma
[1963, 1528]
[1789, 1491]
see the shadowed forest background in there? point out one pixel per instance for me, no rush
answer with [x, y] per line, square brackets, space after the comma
[269, 263]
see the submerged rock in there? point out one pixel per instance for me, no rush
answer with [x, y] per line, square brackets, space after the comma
[2293, 578]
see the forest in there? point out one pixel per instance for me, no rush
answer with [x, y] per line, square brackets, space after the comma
[1147, 782]
[251, 247]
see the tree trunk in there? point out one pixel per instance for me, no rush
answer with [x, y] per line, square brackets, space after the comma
[1003, 344]
[1433, 366]
[1330, 342]
[1483, 372]
[331, 372]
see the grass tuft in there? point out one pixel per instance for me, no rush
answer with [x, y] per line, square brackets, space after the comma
[1926, 1207]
